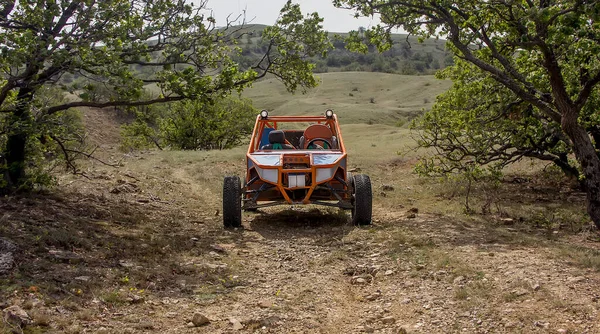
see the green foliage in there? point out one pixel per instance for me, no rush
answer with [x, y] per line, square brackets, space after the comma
[120, 46]
[56, 135]
[192, 125]
[480, 122]
[402, 58]
[525, 67]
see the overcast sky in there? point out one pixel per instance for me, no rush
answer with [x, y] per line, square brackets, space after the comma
[266, 12]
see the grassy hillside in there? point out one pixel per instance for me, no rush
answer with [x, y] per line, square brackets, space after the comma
[357, 97]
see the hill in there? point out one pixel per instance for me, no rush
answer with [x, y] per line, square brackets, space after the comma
[407, 56]
[357, 97]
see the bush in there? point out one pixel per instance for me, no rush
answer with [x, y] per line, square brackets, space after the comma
[192, 125]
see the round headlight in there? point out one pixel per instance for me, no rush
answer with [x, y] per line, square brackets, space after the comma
[329, 113]
[264, 114]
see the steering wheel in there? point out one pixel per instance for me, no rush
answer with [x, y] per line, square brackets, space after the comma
[310, 142]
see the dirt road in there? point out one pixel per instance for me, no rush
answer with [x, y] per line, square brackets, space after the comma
[107, 255]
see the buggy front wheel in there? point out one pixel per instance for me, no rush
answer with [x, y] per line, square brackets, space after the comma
[362, 198]
[232, 202]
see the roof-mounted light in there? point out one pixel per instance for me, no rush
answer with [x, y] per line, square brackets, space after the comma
[264, 114]
[329, 113]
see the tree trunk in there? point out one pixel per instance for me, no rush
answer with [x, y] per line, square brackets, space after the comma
[588, 159]
[17, 139]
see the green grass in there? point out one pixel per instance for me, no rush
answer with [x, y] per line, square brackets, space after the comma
[396, 97]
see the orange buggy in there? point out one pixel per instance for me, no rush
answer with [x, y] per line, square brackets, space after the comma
[295, 160]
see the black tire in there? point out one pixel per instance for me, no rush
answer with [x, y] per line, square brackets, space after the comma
[362, 198]
[232, 202]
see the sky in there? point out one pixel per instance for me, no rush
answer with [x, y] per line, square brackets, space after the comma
[266, 12]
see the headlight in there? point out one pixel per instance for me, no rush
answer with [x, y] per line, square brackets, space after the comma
[264, 114]
[329, 113]
[271, 175]
[325, 173]
[325, 159]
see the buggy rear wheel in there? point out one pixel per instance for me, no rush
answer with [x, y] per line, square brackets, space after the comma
[232, 202]
[362, 198]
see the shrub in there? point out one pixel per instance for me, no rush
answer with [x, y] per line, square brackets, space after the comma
[192, 125]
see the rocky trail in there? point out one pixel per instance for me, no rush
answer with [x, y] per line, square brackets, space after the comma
[110, 256]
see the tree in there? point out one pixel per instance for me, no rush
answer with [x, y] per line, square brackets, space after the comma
[481, 121]
[545, 52]
[110, 43]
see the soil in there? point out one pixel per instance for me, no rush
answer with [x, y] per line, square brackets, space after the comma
[108, 255]
[111, 263]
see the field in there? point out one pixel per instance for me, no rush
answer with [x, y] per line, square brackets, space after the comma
[140, 248]
[357, 97]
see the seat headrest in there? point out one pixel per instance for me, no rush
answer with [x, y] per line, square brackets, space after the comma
[318, 131]
[276, 137]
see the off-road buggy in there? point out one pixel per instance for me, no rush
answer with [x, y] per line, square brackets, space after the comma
[294, 160]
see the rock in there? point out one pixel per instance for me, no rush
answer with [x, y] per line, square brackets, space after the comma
[16, 316]
[406, 301]
[83, 278]
[136, 299]
[214, 266]
[507, 221]
[265, 304]
[126, 264]
[237, 325]
[387, 187]
[145, 325]
[577, 279]
[413, 210]
[388, 320]
[388, 272]
[221, 248]
[459, 280]
[373, 296]
[535, 286]
[125, 188]
[411, 215]
[66, 256]
[519, 292]
[7, 250]
[360, 280]
[200, 320]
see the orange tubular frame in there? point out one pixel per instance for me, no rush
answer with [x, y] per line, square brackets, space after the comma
[255, 187]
